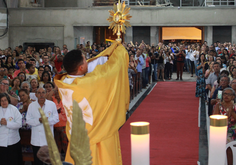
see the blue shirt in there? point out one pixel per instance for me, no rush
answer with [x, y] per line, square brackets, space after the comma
[139, 66]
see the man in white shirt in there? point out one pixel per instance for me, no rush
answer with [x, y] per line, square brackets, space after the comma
[33, 118]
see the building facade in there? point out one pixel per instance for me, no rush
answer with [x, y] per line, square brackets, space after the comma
[77, 21]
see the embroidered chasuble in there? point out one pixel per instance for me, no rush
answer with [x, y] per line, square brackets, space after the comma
[103, 95]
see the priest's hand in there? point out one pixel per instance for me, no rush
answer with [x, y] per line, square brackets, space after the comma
[40, 120]
[3, 121]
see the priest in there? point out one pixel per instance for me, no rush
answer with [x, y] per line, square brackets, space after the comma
[101, 88]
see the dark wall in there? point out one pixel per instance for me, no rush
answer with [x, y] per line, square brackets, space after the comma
[60, 3]
[222, 33]
[141, 33]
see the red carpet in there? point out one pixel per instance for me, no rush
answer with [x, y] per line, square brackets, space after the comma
[172, 110]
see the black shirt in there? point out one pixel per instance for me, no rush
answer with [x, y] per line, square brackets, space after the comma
[160, 60]
[153, 61]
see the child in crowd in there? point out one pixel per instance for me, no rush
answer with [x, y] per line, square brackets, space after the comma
[31, 75]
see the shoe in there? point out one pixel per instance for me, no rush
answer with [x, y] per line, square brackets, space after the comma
[181, 79]
[177, 79]
[168, 78]
[164, 80]
[192, 76]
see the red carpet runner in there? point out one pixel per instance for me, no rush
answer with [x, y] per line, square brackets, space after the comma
[172, 110]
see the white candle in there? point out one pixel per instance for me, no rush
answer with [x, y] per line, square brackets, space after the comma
[140, 143]
[217, 140]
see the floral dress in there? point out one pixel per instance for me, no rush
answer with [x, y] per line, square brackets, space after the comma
[200, 84]
[231, 130]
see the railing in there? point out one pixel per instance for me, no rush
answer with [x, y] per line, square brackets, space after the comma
[166, 3]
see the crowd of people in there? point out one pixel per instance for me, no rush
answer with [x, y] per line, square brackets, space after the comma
[26, 83]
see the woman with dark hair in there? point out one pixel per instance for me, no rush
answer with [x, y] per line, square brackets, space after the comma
[15, 85]
[34, 85]
[44, 79]
[22, 106]
[22, 76]
[11, 121]
[9, 62]
[200, 85]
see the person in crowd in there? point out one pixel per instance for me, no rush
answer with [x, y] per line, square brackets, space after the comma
[10, 72]
[22, 76]
[33, 118]
[131, 71]
[60, 127]
[139, 66]
[180, 62]
[58, 60]
[188, 53]
[40, 72]
[196, 53]
[46, 61]
[48, 86]
[26, 85]
[4, 88]
[147, 69]
[32, 73]
[2, 70]
[22, 106]
[10, 122]
[169, 62]
[224, 83]
[44, 79]
[160, 64]
[34, 85]
[233, 75]
[9, 62]
[154, 54]
[227, 107]
[200, 85]
[15, 85]
[209, 70]
[22, 68]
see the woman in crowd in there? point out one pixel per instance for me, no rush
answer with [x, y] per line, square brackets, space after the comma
[34, 85]
[15, 85]
[168, 65]
[22, 76]
[196, 58]
[9, 62]
[11, 121]
[23, 106]
[226, 107]
[209, 70]
[233, 75]
[161, 65]
[44, 79]
[180, 63]
[59, 128]
[200, 85]
[147, 69]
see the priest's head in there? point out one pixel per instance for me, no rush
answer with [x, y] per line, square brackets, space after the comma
[75, 63]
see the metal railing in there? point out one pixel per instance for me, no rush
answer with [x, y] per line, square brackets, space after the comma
[172, 3]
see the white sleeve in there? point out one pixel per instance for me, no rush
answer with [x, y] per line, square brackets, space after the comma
[99, 61]
[30, 119]
[55, 118]
[16, 123]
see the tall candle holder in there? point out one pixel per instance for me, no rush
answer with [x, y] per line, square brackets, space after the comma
[217, 140]
[140, 143]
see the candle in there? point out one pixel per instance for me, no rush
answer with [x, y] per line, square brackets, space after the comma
[217, 140]
[140, 143]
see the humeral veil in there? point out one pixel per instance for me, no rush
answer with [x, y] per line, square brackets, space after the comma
[103, 95]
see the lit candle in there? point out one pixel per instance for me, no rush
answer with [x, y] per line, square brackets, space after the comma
[217, 140]
[140, 143]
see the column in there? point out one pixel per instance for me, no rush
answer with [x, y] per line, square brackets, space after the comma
[154, 35]
[233, 35]
[209, 34]
[129, 35]
[68, 36]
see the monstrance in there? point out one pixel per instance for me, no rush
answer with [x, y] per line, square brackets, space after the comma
[118, 18]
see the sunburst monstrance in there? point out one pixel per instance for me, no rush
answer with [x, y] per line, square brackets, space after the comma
[118, 18]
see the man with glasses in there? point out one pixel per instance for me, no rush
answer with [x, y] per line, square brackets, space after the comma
[33, 118]
[4, 88]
